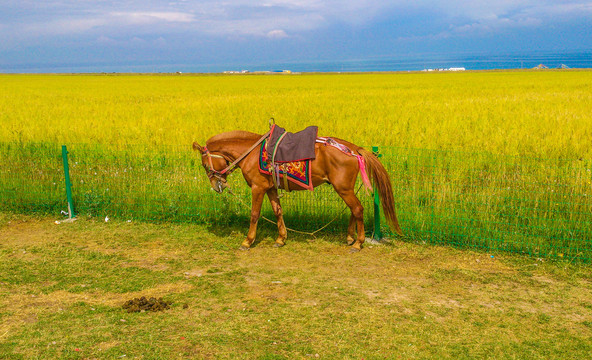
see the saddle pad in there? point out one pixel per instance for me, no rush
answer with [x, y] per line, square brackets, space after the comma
[297, 172]
[292, 146]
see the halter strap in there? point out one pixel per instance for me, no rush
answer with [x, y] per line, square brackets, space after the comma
[232, 166]
[207, 153]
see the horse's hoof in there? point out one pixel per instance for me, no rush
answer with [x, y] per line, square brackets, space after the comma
[244, 248]
[278, 245]
[354, 250]
[350, 241]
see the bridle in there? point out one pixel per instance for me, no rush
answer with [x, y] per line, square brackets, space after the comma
[220, 175]
[212, 172]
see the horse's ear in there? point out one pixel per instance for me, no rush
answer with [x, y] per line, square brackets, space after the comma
[197, 147]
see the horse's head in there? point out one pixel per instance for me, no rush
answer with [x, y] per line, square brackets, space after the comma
[215, 166]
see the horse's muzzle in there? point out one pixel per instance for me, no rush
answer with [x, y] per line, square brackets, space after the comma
[219, 186]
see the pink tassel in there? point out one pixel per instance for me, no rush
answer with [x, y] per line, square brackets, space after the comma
[363, 172]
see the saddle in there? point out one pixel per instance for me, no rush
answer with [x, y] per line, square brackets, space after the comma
[288, 156]
[285, 155]
[283, 146]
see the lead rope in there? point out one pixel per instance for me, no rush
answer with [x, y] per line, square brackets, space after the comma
[293, 230]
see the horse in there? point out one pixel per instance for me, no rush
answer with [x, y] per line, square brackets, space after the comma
[227, 151]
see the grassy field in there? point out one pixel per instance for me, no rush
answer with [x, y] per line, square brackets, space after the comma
[536, 114]
[493, 162]
[490, 160]
[62, 288]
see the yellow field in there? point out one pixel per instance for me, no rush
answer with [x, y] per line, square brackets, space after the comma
[543, 114]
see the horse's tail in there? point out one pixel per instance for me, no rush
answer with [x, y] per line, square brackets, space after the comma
[382, 184]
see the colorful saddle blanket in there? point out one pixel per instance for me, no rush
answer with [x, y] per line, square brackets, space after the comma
[297, 172]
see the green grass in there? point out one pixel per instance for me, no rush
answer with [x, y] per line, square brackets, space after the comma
[535, 206]
[62, 288]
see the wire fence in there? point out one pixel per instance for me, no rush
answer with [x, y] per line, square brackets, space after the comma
[541, 207]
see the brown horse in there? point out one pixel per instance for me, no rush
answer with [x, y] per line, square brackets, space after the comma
[232, 149]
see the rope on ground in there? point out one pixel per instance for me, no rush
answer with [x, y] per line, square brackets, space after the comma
[294, 230]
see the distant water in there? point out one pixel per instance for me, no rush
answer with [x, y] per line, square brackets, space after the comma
[467, 61]
[572, 59]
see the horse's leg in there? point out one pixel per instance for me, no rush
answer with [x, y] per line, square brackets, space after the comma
[351, 229]
[257, 200]
[357, 211]
[277, 210]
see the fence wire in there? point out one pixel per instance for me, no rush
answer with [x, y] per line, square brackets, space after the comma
[541, 207]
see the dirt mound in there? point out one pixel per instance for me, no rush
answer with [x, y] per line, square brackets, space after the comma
[143, 304]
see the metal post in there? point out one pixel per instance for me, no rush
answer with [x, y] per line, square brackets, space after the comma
[71, 213]
[377, 231]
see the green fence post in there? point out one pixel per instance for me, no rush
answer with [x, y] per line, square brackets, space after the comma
[71, 213]
[377, 231]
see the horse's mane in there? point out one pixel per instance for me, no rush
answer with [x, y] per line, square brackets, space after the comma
[231, 137]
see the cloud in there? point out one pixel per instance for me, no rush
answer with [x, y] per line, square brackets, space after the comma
[138, 42]
[264, 18]
[134, 42]
[105, 40]
[224, 28]
[152, 17]
[484, 18]
[160, 42]
[277, 34]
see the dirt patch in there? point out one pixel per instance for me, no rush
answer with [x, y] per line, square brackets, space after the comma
[22, 233]
[143, 304]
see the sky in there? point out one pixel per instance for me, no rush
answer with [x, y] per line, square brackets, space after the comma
[70, 33]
